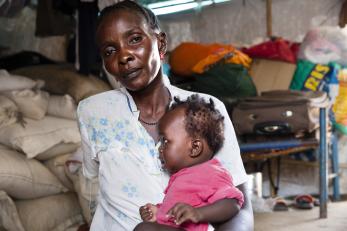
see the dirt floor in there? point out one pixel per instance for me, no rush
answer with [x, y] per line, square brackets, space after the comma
[304, 220]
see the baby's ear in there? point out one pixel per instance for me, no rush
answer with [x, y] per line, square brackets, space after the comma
[162, 43]
[197, 147]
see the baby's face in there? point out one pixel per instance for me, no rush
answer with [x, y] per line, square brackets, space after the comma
[129, 48]
[176, 144]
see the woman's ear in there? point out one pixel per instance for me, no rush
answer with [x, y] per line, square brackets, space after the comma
[197, 148]
[162, 43]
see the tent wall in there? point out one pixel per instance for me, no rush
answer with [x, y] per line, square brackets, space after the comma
[18, 34]
[244, 21]
[239, 22]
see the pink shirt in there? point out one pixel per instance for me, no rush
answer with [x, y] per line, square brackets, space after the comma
[198, 185]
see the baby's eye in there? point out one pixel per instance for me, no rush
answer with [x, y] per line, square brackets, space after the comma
[162, 142]
[135, 39]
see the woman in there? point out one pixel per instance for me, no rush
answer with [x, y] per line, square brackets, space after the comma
[119, 128]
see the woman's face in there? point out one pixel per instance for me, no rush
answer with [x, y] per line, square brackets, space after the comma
[175, 147]
[129, 49]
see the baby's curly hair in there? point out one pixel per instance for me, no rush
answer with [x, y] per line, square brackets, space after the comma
[203, 120]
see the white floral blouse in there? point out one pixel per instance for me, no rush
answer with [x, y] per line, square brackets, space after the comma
[118, 150]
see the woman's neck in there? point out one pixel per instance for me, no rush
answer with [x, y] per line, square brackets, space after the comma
[152, 101]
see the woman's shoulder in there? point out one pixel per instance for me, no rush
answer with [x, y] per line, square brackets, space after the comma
[101, 101]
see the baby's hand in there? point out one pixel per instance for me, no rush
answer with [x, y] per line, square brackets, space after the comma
[148, 212]
[183, 212]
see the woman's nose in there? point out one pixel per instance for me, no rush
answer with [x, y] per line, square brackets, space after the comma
[125, 57]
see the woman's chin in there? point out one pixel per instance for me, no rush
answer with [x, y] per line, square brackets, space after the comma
[136, 84]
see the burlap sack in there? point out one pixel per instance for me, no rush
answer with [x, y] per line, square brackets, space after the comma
[64, 79]
[57, 150]
[3, 147]
[57, 166]
[62, 106]
[38, 136]
[24, 178]
[9, 218]
[8, 111]
[9, 82]
[32, 104]
[53, 213]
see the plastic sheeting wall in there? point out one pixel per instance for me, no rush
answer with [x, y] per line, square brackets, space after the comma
[239, 22]
[243, 22]
[18, 34]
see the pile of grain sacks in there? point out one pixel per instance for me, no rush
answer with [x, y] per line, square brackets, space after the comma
[41, 183]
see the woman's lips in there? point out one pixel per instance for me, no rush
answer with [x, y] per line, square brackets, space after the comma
[132, 73]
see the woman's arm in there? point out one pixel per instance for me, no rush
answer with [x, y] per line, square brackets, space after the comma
[244, 220]
[89, 165]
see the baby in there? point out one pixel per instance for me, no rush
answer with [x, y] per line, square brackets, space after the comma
[200, 191]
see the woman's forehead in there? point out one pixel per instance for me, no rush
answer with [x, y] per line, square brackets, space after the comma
[121, 22]
[126, 16]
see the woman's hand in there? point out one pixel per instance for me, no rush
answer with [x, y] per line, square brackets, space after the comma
[148, 212]
[183, 212]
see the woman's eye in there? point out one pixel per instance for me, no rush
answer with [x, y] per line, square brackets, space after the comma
[135, 39]
[108, 51]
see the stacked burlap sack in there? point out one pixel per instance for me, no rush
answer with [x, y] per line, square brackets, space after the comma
[41, 183]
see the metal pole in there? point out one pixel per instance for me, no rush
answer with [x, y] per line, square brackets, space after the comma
[335, 167]
[269, 18]
[323, 180]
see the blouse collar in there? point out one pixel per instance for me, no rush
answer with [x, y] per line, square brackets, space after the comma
[130, 100]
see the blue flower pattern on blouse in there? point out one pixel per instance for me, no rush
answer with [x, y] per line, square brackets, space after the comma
[130, 190]
[104, 131]
[109, 223]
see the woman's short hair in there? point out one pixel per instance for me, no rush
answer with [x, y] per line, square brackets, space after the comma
[150, 17]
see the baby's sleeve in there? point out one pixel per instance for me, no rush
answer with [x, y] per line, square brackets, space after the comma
[221, 187]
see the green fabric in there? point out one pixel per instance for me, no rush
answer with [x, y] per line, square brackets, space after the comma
[341, 128]
[226, 81]
[303, 70]
[312, 77]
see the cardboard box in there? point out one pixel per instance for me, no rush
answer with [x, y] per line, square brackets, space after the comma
[271, 75]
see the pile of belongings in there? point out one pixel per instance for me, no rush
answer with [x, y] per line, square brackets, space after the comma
[216, 69]
[321, 66]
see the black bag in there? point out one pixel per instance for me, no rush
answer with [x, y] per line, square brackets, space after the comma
[279, 112]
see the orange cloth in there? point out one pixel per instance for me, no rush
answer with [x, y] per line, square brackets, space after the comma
[189, 57]
[228, 53]
[340, 105]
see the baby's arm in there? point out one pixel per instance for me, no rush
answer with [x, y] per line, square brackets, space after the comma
[148, 212]
[216, 212]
